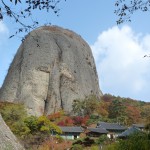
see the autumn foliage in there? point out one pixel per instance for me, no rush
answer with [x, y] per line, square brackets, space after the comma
[73, 121]
[55, 116]
[67, 121]
[38, 131]
[113, 109]
[125, 110]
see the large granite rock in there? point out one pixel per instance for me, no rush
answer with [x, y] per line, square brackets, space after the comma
[7, 140]
[52, 67]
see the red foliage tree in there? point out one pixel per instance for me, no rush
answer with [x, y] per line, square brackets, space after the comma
[78, 120]
[54, 116]
[67, 121]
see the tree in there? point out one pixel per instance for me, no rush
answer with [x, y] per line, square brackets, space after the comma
[145, 111]
[45, 125]
[147, 125]
[136, 141]
[12, 112]
[133, 115]
[78, 120]
[26, 11]
[37, 130]
[78, 107]
[85, 107]
[117, 111]
[56, 116]
[103, 108]
[91, 105]
[32, 123]
[126, 8]
[67, 121]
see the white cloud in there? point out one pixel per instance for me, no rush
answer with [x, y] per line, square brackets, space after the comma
[4, 34]
[3, 28]
[120, 64]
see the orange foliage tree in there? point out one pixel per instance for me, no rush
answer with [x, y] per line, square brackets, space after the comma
[133, 115]
[102, 108]
[55, 116]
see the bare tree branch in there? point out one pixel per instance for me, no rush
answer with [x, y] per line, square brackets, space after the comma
[124, 8]
[29, 7]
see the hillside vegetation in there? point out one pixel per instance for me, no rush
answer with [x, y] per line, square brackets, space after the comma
[113, 109]
[36, 132]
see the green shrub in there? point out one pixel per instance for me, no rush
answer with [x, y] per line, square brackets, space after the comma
[20, 129]
[78, 141]
[77, 147]
[102, 139]
[113, 146]
[13, 115]
[94, 147]
[86, 142]
[59, 138]
[137, 141]
[12, 112]
[31, 123]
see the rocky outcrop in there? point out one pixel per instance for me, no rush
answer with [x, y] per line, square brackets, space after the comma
[7, 140]
[52, 67]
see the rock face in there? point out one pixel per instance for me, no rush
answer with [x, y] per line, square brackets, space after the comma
[7, 140]
[52, 67]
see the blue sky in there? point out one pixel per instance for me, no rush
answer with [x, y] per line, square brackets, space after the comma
[118, 50]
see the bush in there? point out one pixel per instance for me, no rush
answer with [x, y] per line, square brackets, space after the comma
[86, 142]
[13, 115]
[94, 147]
[30, 129]
[59, 139]
[20, 129]
[76, 147]
[12, 112]
[113, 146]
[31, 123]
[137, 141]
[102, 139]
[78, 141]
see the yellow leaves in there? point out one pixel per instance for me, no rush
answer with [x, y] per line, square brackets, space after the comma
[42, 120]
[44, 129]
[46, 125]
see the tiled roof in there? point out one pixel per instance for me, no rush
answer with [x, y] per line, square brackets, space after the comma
[129, 131]
[71, 129]
[98, 130]
[138, 125]
[111, 126]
